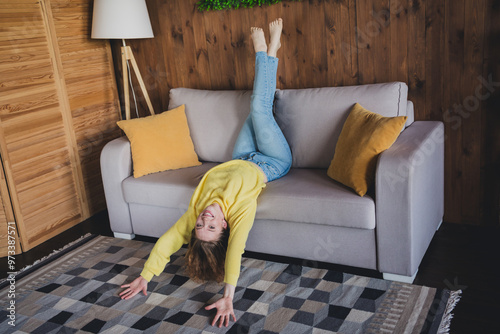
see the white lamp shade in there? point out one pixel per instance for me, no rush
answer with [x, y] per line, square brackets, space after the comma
[121, 19]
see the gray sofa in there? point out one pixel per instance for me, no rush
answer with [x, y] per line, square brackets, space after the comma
[305, 214]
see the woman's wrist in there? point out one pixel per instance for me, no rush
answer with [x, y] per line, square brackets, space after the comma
[229, 291]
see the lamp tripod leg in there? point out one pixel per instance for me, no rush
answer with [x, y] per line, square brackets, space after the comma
[126, 56]
[126, 94]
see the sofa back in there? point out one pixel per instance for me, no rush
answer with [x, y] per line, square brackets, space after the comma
[311, 119]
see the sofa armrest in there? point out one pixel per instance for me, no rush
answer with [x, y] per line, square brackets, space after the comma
[116, 166]
[409, 190]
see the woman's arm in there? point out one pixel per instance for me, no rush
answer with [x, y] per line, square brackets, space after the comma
[242, 222]
[169, 243]
[224, 307]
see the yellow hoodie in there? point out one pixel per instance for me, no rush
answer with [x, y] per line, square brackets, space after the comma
[234, 185]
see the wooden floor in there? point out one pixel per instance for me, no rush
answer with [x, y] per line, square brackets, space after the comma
[462, 257]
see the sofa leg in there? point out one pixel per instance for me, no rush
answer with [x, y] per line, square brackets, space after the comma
[400, 278]
[124, 235]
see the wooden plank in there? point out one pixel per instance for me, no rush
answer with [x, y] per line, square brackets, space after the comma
[353, 78]
[490, 139]
[242, 46]
[318, 52]
[177, 46]
[189, 43]
[304, 61]
[416, 57]
[471, 127]
[454, 61]
[339, 45]
[166, 31]
[434, 60]
[379, 27]
[292, 43]
[202, 67]
[226, 51]
[399, 40]
[366, 38]
[212, 22]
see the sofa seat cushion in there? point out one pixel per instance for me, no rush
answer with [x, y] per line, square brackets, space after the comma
[303, 196]
[172, 188]
[310, 196]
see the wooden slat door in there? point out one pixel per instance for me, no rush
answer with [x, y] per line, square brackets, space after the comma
[87, 68]
[53, 105]
[38, 161]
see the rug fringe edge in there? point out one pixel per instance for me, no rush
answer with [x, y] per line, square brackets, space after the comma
[54, 252]
[444, 327]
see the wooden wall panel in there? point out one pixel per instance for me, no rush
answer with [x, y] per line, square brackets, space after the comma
[440, 48]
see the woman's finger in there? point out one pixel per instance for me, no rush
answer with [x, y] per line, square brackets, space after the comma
[124, 292]
[215, 320]
[209, 307]
[221, 321]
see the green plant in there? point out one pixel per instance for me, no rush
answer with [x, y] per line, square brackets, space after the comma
[232, 4]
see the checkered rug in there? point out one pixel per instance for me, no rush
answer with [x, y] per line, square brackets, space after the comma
[78, 292]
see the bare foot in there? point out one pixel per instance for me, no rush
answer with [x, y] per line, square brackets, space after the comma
[259, 40]
[275, 29]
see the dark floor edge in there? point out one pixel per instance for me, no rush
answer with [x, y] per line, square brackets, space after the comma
[48, 259]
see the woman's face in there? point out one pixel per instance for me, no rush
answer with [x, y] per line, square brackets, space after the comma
[210, 223]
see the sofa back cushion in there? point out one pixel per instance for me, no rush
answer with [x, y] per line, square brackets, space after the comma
[214, 118]
[312, 119]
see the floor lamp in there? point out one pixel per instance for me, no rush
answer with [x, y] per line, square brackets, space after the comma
[124, 19]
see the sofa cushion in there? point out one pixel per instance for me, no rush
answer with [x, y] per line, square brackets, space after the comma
[310, 196]
[364, 136]
[215, 119]
[172, 188]
[304, 195]
[160, 142]
[312, 119]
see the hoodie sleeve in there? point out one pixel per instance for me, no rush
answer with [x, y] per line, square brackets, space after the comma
[169, 243]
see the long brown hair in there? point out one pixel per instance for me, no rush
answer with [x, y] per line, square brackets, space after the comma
[205, 259]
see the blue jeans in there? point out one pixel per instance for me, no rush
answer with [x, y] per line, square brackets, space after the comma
[261, 140]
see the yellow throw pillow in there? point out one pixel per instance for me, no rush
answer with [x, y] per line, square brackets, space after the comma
[364, 136]
[160, 142]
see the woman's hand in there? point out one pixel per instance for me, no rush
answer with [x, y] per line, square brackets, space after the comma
[138, 285]
[224, 311]
[224, 307]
